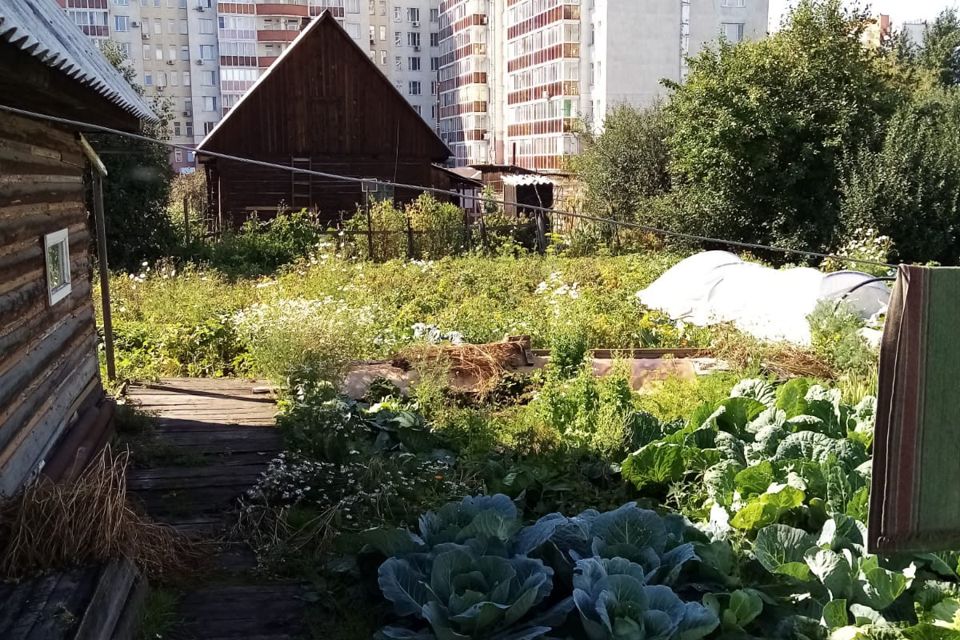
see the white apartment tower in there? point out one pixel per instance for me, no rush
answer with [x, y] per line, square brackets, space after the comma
[559, 61]
[403, 39]
[172, 46]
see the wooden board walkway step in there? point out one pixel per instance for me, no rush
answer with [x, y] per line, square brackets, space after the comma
[227, 428]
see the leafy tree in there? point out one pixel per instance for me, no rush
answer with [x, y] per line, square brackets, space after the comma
[137, 186]
[627, 162]
[940, 52]
[761, 130]
[910, 189]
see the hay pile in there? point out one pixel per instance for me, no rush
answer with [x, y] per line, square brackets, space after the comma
[53, 526]
[481, 365]
[782, 359]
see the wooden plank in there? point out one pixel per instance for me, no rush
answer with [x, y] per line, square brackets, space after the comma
[128, 624]
[106, 604]
[30, 614]
[59, 617]
[245, 478]
[196, 473]
[200, 500]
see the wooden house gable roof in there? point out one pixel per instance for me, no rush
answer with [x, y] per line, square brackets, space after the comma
[324, 97]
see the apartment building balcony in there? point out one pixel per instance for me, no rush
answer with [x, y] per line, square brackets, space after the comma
[454, 110]
[85, 4]
[555, 52]
[277, 35]
[238, 61]
[479, 77]
[335, 11]
[95, 30]
[265, 61]
[472, 20]
[474, 49]
[556, 14]
[541, 127]
[283, 10]
[560, 89]
[242, 8]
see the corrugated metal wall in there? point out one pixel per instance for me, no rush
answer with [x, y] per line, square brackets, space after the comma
[48, 365]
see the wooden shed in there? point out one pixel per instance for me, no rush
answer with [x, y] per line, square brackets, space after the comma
[50, 389]
[322, 105]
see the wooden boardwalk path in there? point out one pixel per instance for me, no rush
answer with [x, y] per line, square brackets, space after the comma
[226, 435]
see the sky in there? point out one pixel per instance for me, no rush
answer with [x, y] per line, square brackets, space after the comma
[899, 10]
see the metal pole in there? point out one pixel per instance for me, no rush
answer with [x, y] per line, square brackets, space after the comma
[186, 220]
[104, 273]
[366, 206]
[409, 236]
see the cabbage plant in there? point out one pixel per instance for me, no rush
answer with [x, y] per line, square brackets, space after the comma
[614, 602]
[462, 594]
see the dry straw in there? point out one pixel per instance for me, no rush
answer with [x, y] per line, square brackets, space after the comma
[52, 526]
[480, 365]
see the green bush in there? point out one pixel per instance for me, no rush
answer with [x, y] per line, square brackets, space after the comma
[261, 247]
[834, 332]
[909, 190]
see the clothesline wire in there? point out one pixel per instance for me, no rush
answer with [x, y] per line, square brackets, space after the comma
[435, 190]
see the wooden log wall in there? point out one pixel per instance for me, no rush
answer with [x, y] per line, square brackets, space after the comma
[48, 365]
[241, 188]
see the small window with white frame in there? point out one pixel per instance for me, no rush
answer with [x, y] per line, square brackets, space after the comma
[56, 249]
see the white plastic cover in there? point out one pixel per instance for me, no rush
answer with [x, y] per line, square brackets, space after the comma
[772, 304]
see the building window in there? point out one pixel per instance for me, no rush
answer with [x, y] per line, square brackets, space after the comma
[383, 57]
[373, 34]
[147, 79]
[383, 7]
[161, 79]
[434, 64]
[208, 127]
[174, 79]
[146, 52]
[191, 156]
[178, 155]
[434, 39]
[353, 6]
[398, 63]
[373, 7]
[56, 249]
[413, 87]
[210, 103]
[121, 23]
[413, 14]
[383, 33]
[189, 129]
[209, 78]
[413, 38]
[122, 3]
[157, 26]
[413, 64]
[171, 26]
[186, 78]
[397, 14]
[171, 52]
[184, 27]
[433, 88]
[353, 30]
[206, 52]
[434, 15]
[397, 39]
[125, 47]
[188, 106]
[373, 54]
[206, 26]
[732, 31]
[733, 3]
[176, 127]
[416, 108]
[158, 52]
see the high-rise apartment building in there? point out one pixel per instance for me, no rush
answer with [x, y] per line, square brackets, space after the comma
[403, 39]
[172, 47]
[517, 74]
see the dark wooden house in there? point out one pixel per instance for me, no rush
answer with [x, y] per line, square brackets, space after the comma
[50, 388]
[322, 105]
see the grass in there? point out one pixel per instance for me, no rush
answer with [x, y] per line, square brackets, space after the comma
[195, 321]
[159, 613]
